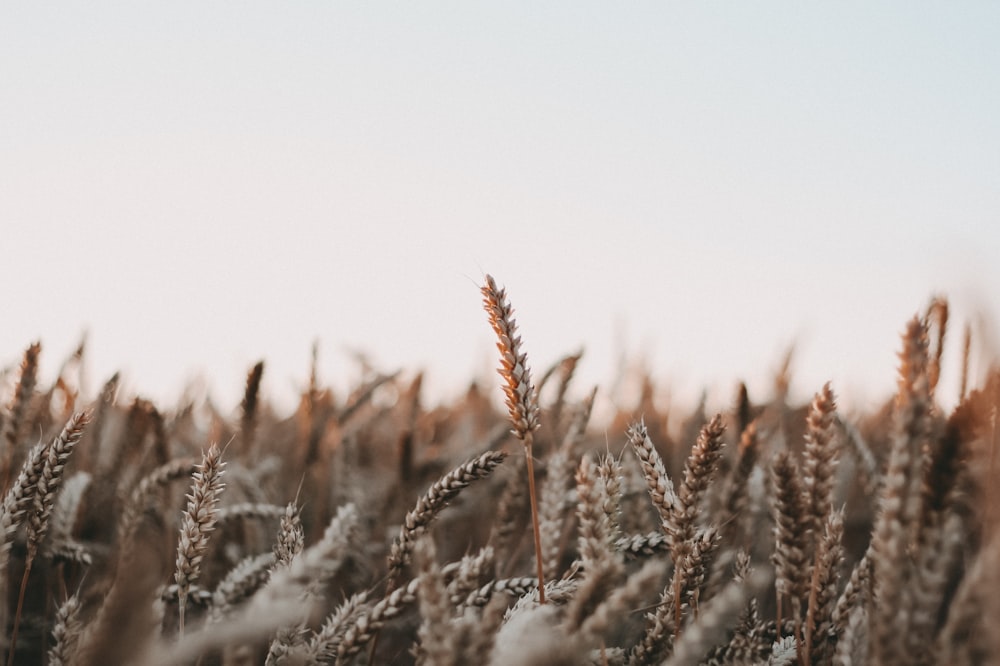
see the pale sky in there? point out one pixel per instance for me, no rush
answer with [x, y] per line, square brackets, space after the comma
[200, 185]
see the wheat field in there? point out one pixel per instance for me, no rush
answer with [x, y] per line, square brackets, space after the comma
[369, 528]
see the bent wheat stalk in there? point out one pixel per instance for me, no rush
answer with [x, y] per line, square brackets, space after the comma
[521, 398]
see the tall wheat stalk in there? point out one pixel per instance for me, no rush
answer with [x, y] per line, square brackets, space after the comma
[521, 398]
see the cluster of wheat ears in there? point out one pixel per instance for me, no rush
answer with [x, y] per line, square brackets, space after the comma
[370, 529]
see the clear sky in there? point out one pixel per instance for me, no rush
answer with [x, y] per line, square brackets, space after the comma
[200, 185]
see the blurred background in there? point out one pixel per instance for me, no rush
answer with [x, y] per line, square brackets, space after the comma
[694, 189]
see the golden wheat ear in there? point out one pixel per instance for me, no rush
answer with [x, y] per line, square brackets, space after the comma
[521, 398]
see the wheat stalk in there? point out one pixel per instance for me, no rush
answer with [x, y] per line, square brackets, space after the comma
[521, 398]
[46, 487]
[197, 523]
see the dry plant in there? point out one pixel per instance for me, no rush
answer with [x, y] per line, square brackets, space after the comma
[521, 398]
[373, 527]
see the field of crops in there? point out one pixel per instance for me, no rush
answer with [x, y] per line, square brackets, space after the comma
[371, 528]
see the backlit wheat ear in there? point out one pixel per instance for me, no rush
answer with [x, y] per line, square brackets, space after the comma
[521, 398]
[197, 524]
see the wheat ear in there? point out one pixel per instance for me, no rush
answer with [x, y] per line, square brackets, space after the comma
[966, 354]
[733, 521]
[621, 599]
[67, 507]
[602, 567]
[435, 635]
[552, 509]
[241, 582]
[291, 536]
[14, 424]
[66, 633]
[430, 504]
[661, 488]
[248, 422]
[823, 591]
[367, 624]
[566, 368]
[819, 463]
[521, 398]
[325, 642]
[15, 502]
[937, 314]
[136, 503]
[712, 625]
[789, 558]
[197, 524]
[46, 488]
[698, 473]
[900, 503]
[464, 576]
[593, 525]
